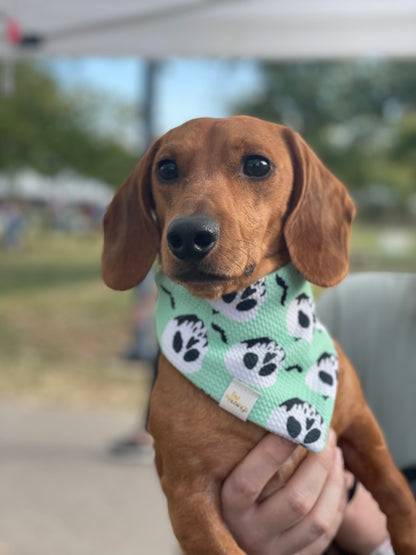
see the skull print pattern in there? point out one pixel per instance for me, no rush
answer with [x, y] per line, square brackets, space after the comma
[185, 342]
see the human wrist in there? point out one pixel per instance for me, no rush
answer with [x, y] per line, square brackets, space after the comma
[384, 549]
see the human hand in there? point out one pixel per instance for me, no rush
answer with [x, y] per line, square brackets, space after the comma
[364, 527]
[301, 518]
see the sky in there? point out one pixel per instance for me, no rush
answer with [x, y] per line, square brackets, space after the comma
[185, 88]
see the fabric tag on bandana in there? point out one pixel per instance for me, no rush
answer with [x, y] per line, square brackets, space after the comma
[239, 399]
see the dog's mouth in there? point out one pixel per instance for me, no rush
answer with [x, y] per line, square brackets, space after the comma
[198, 276]
[209, 282]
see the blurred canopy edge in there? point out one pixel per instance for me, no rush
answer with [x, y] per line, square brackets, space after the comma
[262, 29]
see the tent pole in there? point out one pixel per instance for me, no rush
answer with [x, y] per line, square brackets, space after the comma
[149, 104]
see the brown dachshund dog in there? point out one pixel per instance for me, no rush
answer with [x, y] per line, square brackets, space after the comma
[245, 197]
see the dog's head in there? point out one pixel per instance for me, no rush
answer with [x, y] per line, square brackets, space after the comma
[224, 202]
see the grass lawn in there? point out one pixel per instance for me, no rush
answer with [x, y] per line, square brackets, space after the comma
[62, 331]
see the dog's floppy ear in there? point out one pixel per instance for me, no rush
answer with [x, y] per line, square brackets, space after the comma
[131, 237]
[317, 229]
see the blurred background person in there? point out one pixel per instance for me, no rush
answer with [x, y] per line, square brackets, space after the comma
[143, 348]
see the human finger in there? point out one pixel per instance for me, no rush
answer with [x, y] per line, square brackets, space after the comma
[317, 530]
[246, 482]
[293, 502]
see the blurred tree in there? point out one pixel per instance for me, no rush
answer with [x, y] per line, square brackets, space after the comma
[48, 129]
[359, 116]
[404, 150]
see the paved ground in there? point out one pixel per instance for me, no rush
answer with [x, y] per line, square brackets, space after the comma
[60, 494]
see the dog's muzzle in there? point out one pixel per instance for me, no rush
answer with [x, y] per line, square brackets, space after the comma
[192, 237]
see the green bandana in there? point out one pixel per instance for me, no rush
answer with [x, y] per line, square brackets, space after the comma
[260, 353]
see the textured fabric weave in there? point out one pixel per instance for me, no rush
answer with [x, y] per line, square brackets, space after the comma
[266, 337]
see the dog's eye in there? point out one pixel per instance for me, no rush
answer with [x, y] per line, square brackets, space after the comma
[256, 166]
[167, 170]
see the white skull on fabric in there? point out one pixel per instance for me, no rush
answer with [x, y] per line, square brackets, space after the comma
[322, 377]
[242, 306]
[301, 319]
[255, 361]
[184, 340]
[300, 422]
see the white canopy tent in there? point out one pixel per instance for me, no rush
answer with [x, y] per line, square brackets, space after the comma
[155, 29]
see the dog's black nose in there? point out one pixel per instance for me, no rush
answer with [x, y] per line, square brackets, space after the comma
[192, 236]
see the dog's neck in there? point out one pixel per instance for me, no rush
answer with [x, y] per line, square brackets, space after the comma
[260, 352]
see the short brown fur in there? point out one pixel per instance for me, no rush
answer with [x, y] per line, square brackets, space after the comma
[302, 213]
